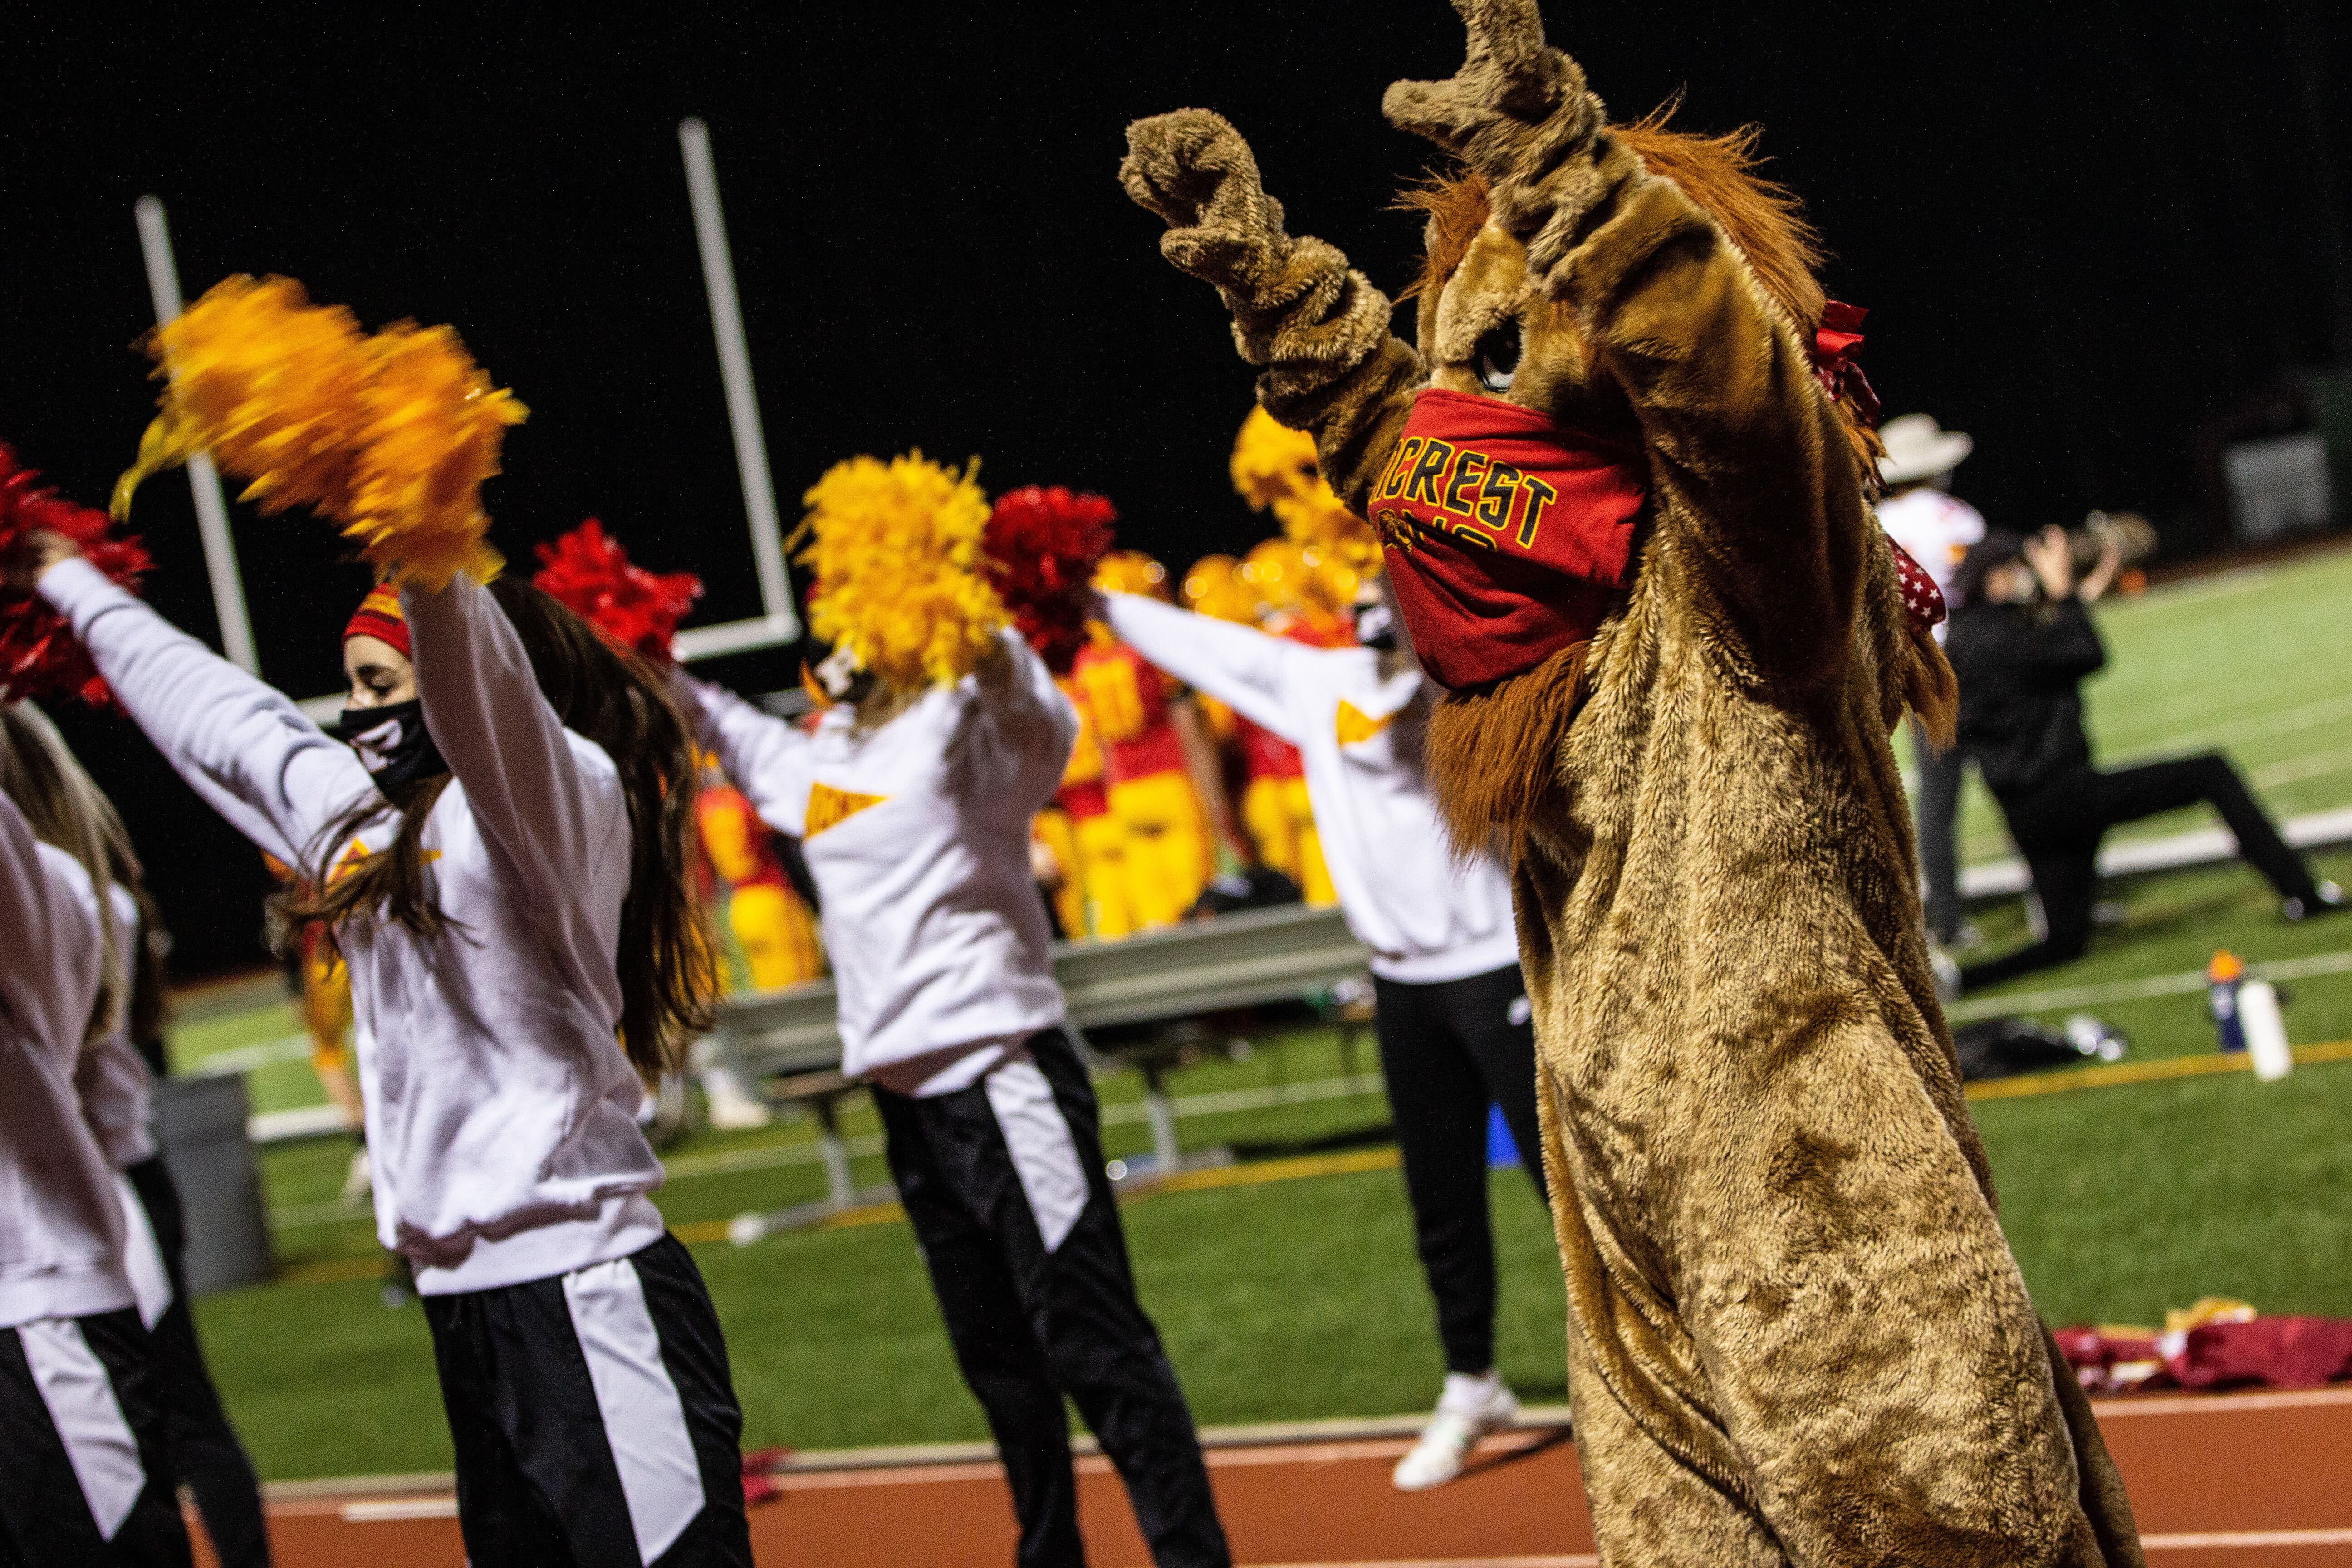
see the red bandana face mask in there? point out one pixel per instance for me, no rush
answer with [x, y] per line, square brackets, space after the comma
[1507, 538]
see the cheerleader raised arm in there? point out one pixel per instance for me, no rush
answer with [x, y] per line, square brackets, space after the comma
[500, 854]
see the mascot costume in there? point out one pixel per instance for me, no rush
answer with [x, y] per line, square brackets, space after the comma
[1622, 487]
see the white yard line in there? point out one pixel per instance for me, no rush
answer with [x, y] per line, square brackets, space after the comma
[246, 1058]
[2295, 770]
[2184, 984]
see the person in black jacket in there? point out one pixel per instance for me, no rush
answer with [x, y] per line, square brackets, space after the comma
[2022, 643]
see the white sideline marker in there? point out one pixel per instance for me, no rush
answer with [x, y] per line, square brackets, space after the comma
[212, 510]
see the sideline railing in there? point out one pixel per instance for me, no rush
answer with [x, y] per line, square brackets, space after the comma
[1241, 960]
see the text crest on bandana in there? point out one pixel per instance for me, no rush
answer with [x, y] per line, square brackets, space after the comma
[1508, 538]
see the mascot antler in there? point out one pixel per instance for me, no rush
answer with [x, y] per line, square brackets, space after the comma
[1300, 313]
[1517, 112]
[1511, 76]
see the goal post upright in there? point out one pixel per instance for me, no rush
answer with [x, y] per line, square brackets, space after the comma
[782, 620]
[212, 510]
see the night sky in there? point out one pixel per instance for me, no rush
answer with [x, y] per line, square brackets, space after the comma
[2084, 231]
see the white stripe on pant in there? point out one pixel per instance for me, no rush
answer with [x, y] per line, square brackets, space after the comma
[645, 1421]
[88, 1418]
[1044, 1156]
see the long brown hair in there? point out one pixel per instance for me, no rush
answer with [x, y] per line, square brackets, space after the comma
[666, 962]
[66, 809]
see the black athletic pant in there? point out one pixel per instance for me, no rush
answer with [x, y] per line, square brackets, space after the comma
[1450, 1049]
[48, 1518]
[2058, 830]
[205, 1449]
[590, 1412]
[1031, 1322]
[1939, 856]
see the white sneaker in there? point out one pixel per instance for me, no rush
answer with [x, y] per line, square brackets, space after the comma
[1468, 1409]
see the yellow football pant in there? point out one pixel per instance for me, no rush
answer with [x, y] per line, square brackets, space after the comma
[1102, 868]
[1282, 825]
[777, 934]
[1053, 830]
[1169, 856]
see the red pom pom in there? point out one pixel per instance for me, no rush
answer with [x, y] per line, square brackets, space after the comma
[590, 574]
[1042, 545]
[39, 654]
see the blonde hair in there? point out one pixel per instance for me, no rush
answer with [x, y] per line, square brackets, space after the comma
[66, 810]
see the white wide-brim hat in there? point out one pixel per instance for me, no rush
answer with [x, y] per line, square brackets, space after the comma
[1919, 448]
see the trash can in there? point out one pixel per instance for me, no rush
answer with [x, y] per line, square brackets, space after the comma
[200, 1122]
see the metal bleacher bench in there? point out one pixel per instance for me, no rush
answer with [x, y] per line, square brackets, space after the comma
[1242, 959]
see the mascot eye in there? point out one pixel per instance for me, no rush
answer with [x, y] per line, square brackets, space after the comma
[1497, 357]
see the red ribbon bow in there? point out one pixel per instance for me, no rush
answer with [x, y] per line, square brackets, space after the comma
[1835, 343]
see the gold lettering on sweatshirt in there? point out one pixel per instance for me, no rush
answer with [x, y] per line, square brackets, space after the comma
[830, 808]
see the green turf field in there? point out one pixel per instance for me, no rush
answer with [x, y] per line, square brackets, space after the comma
[1301, 1298]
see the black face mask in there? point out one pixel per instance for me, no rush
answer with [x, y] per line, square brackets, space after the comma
[1376, 625]
[393, 743]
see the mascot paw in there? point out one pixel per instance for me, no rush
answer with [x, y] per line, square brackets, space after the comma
[1510, 79]
[1194, 169]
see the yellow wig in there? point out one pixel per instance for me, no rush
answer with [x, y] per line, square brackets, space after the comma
[894, 548]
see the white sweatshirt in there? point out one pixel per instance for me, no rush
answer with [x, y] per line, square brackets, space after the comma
[60, 1223]
[117, 1090]
[1936, 529]
[1426, 917]
[501, 1115]
[916, 831]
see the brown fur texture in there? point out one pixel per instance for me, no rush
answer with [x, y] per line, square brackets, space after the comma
[1493, 760]
[1796, 1332]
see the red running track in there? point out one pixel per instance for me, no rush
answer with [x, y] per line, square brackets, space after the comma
[2244, 1480]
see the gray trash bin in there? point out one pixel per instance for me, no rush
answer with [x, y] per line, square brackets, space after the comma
[200, 1122]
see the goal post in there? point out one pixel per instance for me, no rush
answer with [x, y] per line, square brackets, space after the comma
[779, 623]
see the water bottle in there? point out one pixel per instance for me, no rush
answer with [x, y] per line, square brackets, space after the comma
[2224, 976]
[2266, 1030]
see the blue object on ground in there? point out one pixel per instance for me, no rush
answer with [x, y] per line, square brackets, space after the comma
[1500, 1148]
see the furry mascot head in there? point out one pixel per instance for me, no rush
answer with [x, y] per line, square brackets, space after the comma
[1622, 485]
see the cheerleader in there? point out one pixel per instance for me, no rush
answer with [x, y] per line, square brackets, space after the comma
[1454, 1023]
[501, 854]
[116, 1086]
[913, 800]
[84, 1477]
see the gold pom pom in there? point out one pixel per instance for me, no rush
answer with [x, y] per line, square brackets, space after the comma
[434, 428]
[1274, 465]
[390, 436]
[895, 552]
[1270, 459]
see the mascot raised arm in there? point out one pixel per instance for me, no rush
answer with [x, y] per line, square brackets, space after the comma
[1622, 485]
